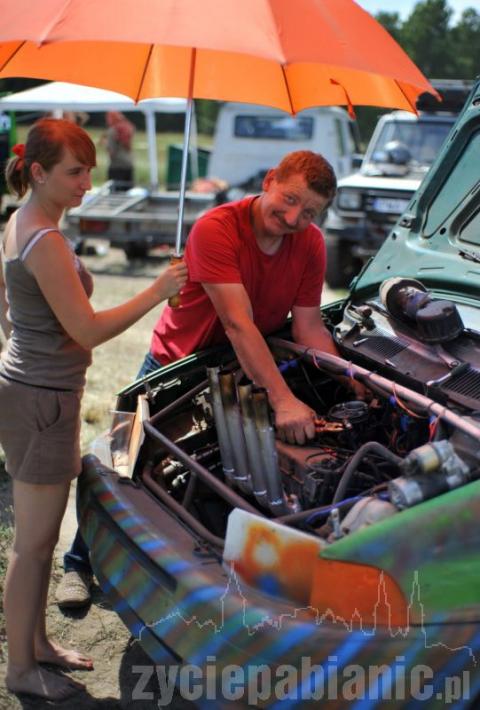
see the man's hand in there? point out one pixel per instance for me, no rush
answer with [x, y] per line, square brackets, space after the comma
[294, 421]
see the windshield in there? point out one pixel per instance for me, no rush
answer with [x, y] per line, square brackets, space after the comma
[416, 143]
[288, 128]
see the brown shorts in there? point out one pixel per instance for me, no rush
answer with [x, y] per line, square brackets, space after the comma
[39, 432]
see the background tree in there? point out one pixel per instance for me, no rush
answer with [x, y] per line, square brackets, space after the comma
[392, 23]
[466, 44]
[427, 39]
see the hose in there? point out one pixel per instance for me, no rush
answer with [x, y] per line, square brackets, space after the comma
[371, 447]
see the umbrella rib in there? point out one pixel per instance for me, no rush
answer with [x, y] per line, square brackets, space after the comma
[287, 89]
[55, 22]
[142, 80]
[414, 108]
[351, 110]
[9, 59]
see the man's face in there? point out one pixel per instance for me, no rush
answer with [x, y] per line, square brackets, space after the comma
[289, 206]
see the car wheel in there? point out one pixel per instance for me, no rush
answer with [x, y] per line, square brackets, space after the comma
[135, 251]
[79, 247]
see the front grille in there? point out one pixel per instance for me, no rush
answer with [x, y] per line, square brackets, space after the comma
[466, 384]
[378, 342]
[380, 345]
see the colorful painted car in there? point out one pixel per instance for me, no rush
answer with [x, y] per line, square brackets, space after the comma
[345, 571]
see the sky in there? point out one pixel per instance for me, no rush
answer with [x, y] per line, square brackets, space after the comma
[405, 7]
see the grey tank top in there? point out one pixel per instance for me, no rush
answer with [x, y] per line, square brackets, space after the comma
[39, 351]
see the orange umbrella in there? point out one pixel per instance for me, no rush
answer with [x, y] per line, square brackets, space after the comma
[291, 54]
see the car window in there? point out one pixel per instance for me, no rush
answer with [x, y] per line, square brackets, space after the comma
[423, 140]
[291, 128]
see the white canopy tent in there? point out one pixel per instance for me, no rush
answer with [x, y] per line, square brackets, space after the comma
[60, 96]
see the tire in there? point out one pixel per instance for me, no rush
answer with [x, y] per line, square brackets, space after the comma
[341, 266]
[133, 250]
[79, 247]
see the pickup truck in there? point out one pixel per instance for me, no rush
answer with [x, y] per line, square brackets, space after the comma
[248, 140]
[369, 202]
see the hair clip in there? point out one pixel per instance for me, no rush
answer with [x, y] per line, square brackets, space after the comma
[19, 150]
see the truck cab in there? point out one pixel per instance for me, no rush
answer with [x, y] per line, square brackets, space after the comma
[249, 139]
[369, 202]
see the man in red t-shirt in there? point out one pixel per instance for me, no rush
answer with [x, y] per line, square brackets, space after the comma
[251, 263]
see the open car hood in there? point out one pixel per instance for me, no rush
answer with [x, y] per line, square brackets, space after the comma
[437, 239]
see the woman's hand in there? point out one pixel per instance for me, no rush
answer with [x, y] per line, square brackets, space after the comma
[172, 280]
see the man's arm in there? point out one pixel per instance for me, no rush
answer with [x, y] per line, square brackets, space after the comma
[309, 329]
[293, 419]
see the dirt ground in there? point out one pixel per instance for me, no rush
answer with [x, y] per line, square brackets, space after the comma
[97, 630]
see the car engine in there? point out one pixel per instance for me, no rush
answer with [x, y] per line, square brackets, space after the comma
[214, 448]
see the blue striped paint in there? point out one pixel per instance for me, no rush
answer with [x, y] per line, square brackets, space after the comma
[344, 653]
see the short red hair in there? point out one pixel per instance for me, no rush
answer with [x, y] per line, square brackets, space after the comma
[318, 173]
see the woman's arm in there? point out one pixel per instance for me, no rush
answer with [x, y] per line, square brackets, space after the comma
[50, 261]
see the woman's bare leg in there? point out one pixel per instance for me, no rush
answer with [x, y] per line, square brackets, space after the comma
[49, 651]
[39, 510]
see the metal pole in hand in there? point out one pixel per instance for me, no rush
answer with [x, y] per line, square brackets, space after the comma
[174, 301]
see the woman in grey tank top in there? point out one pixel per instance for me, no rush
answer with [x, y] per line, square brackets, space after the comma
[51, 327]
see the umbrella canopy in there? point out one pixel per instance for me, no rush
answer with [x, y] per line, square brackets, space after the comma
[62, 96]
[288, 54]
[281, 53]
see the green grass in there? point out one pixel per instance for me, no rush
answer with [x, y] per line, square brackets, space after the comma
[140, 153]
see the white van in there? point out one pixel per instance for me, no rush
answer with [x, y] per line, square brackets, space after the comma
[250, 139]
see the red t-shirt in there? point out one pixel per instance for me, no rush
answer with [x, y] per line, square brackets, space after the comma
[222, 248]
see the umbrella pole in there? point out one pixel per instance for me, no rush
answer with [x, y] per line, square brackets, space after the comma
[174, 301]
[183, 176]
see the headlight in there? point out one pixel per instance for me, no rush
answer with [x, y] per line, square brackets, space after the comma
[349, 199]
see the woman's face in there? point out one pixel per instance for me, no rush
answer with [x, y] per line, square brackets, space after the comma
[67, 182]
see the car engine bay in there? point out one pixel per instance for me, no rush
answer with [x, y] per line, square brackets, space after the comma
[214, 448]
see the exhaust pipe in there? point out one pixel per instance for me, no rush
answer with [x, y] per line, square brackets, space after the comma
[254, 454]
[234, 426]
[224, 445]
[275, 495]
